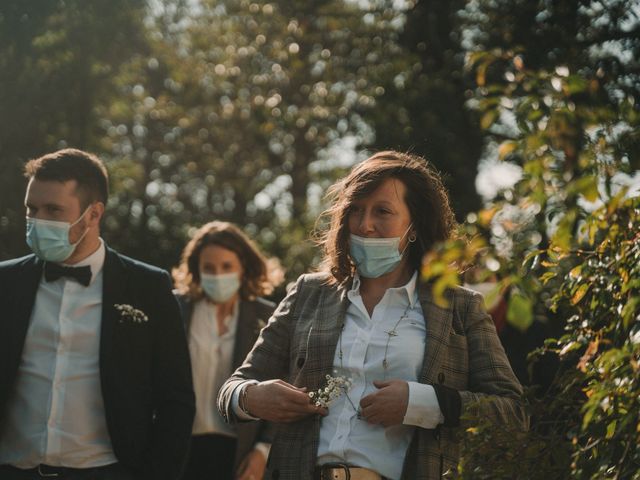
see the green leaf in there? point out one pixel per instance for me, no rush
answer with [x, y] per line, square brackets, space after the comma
[580, 293]
[629, 310]
[586, 186]
[488, 119]
[506, 148]
[520, 311]
[563, 236]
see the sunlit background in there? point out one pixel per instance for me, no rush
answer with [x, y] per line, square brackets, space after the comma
[246, 111]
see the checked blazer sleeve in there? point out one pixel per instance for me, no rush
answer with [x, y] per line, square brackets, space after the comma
[493, 391]
[269, 357]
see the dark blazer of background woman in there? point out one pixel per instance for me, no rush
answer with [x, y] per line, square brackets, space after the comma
[252, 316]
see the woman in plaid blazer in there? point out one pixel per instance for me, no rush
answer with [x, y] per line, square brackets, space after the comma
[413, 367]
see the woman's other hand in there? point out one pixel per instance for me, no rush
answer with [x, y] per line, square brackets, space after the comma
[252, 466]
[388, 405]
[280, 402]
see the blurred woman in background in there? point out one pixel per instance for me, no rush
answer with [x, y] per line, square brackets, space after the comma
[219, 282]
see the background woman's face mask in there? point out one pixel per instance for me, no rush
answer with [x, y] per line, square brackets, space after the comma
[49, 239]
[220, 288]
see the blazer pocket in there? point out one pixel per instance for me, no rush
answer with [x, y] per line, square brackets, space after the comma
[458, 341]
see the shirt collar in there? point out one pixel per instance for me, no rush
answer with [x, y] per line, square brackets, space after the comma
[409, 288]
[210, 308]
[95, 261]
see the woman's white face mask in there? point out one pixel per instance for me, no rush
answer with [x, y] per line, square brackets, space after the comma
[375, 257]
[220, 288]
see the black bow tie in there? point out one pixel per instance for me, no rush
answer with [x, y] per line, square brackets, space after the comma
[53, 271]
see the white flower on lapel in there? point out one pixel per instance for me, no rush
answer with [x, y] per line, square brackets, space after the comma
[128, 312]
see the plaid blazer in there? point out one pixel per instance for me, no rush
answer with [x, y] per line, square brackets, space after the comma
[462, 351]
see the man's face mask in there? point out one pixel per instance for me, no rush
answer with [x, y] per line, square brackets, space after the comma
[49, 239]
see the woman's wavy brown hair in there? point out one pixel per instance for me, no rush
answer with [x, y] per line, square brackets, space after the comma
[428, 202]
[259, 277]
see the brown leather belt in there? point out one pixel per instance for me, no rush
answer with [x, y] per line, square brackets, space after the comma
[340, 471]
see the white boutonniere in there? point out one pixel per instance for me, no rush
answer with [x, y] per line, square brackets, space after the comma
[335, 387]
[131, 314]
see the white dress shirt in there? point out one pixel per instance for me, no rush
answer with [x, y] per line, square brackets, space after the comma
[211, 362]
[211, 359]
[347, 439]
[56, 413]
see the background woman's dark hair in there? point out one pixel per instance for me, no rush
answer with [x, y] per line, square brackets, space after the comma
[260, 275]
[428, 202]
[72, 164]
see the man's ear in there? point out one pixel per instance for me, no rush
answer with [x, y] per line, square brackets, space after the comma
[96, 212]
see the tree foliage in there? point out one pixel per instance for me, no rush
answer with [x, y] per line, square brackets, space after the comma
[56, 63]
[232, 116]
[560, 100]
[423, 106]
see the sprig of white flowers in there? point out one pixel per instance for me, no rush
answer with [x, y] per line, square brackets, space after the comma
[335, 387]
[131, 313]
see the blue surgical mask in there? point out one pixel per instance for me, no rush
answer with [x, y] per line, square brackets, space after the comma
[49, 239]
[376, 256]
[220, 288]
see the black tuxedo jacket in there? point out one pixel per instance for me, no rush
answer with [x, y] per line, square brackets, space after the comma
[252, 316]
[145, 371]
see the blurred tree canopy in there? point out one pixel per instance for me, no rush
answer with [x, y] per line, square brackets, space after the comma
[233, 115]
[423, 109]
[557, 87]
[57, 60]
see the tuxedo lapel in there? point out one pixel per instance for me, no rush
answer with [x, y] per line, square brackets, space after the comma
[27, 282]
[114, 288]
[438, 325]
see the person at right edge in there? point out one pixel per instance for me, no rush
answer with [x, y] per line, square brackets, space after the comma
[415, 367]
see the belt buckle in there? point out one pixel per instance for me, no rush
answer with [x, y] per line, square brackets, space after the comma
[42, 474]
[336, 466]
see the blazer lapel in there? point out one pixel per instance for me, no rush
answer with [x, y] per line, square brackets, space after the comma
[438, 324]
[27, 283]
[323, 338]
[246, 332]
[114, 289]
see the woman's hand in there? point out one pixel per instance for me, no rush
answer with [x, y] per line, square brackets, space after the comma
[387, 406]
[252, 466]
[280, 402]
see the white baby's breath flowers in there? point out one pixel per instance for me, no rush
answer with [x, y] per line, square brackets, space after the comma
[129, 312]
[335, 387]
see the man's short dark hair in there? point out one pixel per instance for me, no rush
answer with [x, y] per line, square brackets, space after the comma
[72, 164]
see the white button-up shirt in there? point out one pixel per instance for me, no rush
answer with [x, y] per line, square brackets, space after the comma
[56, 413]
[347, 439]
[211, 359]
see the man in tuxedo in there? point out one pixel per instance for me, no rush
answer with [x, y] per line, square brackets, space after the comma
[95, 380]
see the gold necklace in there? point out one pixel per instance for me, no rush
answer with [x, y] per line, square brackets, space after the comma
[385, 364]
